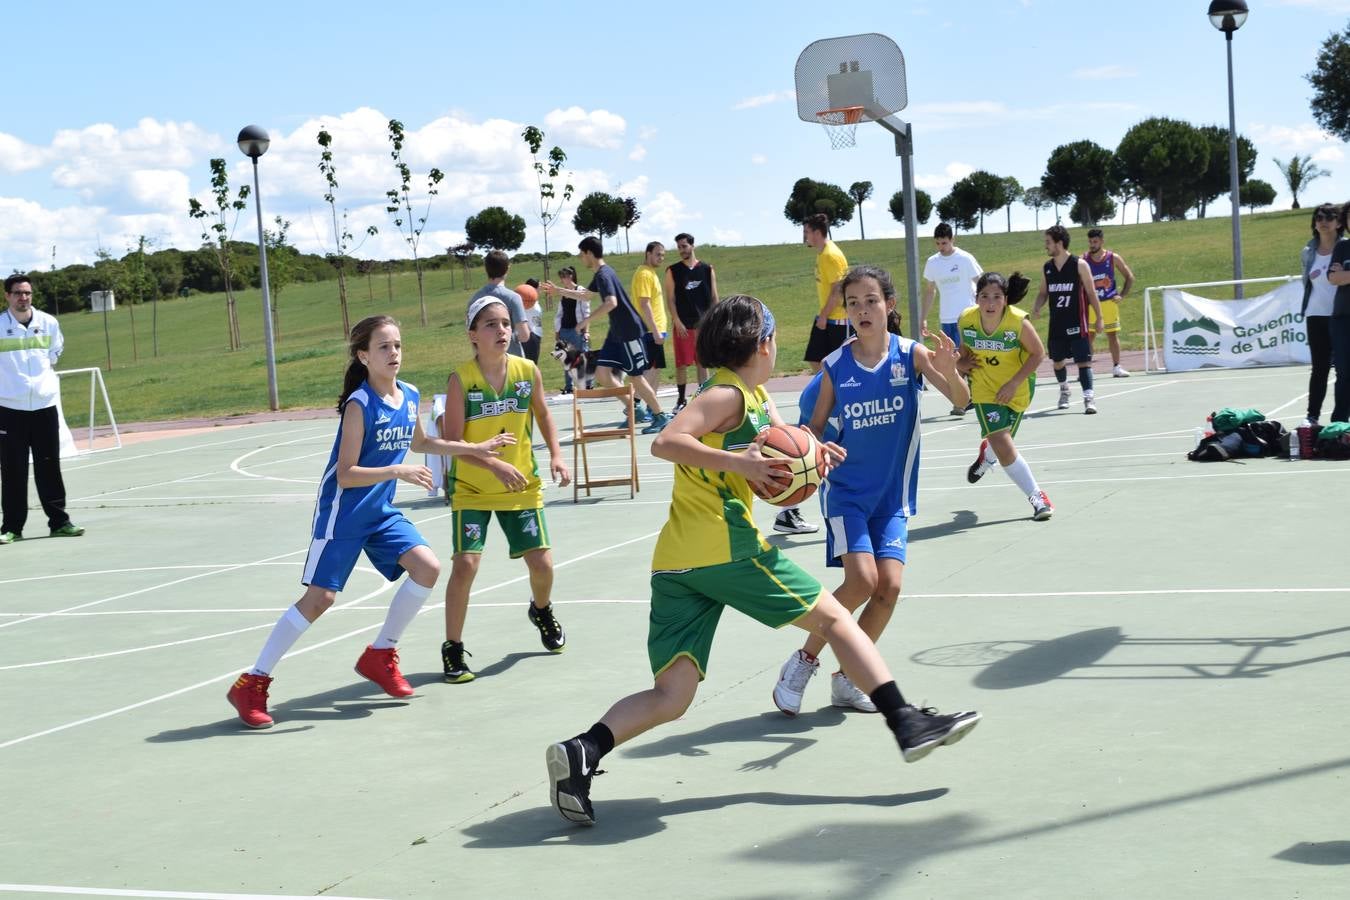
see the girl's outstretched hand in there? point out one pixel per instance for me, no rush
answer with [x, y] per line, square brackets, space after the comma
[492, 444]
[414, 474]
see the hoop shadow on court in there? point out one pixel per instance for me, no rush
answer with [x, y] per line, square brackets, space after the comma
[626, 819]
[351, 701]
[1081, 655]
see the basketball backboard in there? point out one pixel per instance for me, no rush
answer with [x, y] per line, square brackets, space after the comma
[866, 70]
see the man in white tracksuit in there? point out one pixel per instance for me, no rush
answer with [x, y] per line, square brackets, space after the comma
[30, 344]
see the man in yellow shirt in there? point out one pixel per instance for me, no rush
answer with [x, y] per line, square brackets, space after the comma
[650, 301]
[831, 326]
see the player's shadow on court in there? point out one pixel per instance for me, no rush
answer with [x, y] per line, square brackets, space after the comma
[765, 728]
[1317, 853]
[1012, 664]
[624, 820]
[961, 520]
[422, 679]
[352, 701]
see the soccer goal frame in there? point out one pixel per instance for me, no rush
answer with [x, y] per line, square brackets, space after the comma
[96, 388]
[1152, 344]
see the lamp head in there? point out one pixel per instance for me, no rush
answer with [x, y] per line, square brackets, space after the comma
[1227, 15]
[253, 141]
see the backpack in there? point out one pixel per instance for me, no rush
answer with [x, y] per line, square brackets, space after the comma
[1333, 441]
[1228, 419]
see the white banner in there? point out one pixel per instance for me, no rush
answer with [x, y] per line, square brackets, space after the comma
[1261, 331]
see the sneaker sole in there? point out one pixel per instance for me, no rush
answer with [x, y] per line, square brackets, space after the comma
[955, 735]
[790, 530]
[242, 721]
[975, 472]
[411, 691]
[849, 704]
[790, 713]
[1041, 515]
[559, 770]
[1091, 411]
[462, 678]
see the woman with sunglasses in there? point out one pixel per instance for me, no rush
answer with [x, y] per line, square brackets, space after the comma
[1319, 296]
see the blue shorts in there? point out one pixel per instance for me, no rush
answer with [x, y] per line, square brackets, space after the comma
[953, 331]
[331, 560]
[884, 537]
[629, 357]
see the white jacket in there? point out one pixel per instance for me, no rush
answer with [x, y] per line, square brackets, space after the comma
[28, 356]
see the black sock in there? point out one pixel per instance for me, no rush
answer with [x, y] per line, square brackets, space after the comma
[680, 388]
[599, 737]
[1062, 375]
[888, 699]
[1085, 378]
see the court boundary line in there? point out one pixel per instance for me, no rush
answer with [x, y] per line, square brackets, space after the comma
[169, 895]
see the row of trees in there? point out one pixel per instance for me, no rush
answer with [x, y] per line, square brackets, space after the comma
[1174, 166]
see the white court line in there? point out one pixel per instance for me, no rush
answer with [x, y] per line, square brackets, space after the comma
[1290, 471]
[1283, 405]
[236, 464]
[1142, 593]
[1053, 407]
[234, 673]
[173, 895]
[187, 497]
[278, 610]
[117, 459]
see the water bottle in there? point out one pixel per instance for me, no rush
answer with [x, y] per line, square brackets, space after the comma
[1295, 448]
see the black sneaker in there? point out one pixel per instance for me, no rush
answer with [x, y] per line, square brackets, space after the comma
[924, 730]
[790, 521]
[571, 766]
[681, 405]
[550, 632]
[457, 671]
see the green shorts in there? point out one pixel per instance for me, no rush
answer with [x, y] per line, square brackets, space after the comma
[994, 417]
[525, 530]
[687, 603]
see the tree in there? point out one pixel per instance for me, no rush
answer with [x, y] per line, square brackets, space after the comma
[141, 284]
[495, 228]
[366, 267]
[923, 206]
[1331, 85]
[342, 235]
[1084, 172]
[1012, 190]
[956, 210]
[981, 191]
[1298, 172]
[1164, 158]
[463, 252]
[810, 197]
[1215, 181]
[401, 205]
[1256, 193]
[860, 191]
[550, 204]
[630, 218]
[1034, 199]
[281, 266]
[599, 213]
[217, 228]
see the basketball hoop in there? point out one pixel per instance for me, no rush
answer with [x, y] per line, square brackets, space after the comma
[841, 125]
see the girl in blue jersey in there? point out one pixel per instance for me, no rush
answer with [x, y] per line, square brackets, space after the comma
[869, 391]
[355, 513]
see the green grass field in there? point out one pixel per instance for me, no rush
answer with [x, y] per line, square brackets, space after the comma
[195, 375]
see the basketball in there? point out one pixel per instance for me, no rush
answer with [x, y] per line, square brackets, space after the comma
[528, 295]
[806, 469]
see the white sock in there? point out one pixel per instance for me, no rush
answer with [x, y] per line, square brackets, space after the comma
[284, 635]
[990, 457]
[1021, 475]
[402, 610]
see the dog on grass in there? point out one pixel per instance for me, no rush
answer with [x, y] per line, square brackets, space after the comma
[580, 364]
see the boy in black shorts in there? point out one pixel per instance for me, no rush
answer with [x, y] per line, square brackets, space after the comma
[1066, 284]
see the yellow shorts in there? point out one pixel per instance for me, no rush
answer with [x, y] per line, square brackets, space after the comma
[1110, 316]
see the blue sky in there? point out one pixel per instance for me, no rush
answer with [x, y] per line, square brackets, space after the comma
[113, 111]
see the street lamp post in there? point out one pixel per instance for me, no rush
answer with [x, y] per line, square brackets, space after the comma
[253, 142]
[1228, 16]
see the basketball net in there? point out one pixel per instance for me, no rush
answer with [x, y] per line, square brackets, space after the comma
[841, 125]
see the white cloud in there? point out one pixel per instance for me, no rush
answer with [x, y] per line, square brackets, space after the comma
[726, 236]
[18, 156]
[764, 99]
[599, 128]
[759, 159]
[1302, 138]
[952, 173]
[637, 187]
[647, 132]
[664, 213]
[638, 153]
[960, 114]
[1103, 73]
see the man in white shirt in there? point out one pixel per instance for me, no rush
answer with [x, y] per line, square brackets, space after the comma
[30, 344]
[952, 272]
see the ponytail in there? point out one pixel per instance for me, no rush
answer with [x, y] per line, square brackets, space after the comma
[359, 340]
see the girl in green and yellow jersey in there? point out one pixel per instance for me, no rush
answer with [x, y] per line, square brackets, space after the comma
[496, 393]
[1000, 350]
[710, 556]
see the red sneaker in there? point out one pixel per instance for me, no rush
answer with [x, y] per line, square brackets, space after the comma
[249, 698]
[381, 667]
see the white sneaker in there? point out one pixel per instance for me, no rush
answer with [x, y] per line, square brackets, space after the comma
[1063, 397]
[1309, 422]
[1118, 371]
[790, 521]
[845, 693]
[1041, 507]
[1089, 407]
[792, 679]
